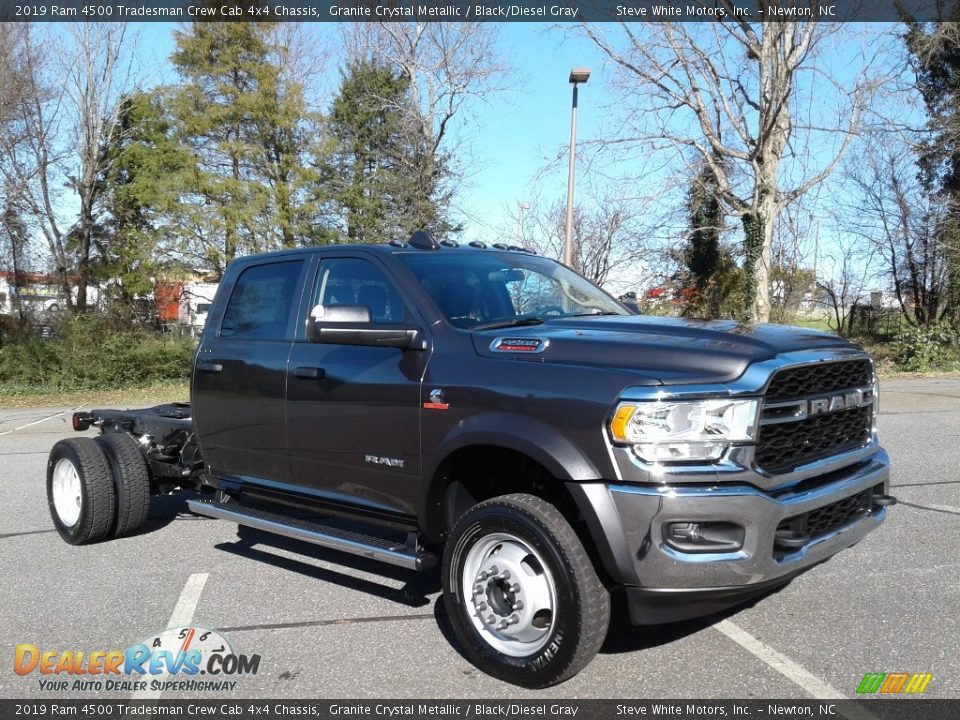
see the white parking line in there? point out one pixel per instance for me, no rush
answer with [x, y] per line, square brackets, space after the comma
[182, 615]
[796, 673]
[36, 422]
[813, 685]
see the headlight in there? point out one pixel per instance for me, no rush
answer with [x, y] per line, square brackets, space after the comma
[688, 430]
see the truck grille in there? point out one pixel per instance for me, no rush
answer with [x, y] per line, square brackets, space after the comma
[825, 520]
[798, 382]
[784, 445]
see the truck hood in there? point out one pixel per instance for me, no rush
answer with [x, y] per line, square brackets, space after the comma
[662, 349]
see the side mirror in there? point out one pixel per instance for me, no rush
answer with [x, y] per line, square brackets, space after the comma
[340, 313]
[350, 325]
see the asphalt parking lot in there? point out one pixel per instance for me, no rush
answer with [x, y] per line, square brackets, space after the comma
[328, 626]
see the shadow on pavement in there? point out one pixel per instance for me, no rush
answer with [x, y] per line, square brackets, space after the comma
[417, 585]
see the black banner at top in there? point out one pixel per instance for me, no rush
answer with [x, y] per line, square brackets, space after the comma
[545, 709]
[639, 11]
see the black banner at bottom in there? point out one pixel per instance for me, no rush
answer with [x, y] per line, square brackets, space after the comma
[887, 709]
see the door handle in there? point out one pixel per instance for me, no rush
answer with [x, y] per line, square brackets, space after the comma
[309, 373]
[210, 367]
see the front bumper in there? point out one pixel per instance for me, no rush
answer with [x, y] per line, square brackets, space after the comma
[627, 524]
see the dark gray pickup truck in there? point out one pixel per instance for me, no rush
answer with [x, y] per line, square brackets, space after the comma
[492, 409]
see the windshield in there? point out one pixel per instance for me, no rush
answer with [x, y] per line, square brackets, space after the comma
[474, 289]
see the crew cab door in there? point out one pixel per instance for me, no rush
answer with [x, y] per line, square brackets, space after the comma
[240, 375]
[353, 411]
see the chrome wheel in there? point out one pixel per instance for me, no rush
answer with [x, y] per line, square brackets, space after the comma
[513, 598]
[67, 492]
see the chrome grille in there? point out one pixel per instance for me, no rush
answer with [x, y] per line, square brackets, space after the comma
[800, 424]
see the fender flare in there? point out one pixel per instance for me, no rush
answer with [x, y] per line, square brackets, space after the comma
[535, 439]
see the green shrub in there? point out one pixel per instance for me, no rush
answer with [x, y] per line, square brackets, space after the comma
[927, 347]
[87, 353]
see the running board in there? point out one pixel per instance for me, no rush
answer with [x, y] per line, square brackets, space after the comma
[369, 546]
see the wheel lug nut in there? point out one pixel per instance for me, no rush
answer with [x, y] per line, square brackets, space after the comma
[482, 606]
[494, 570]
[483, 576]
[516, 587]
[518, 605]
[503, 625]
[505, 575]
[478, 590]
[514, 619]
[491, 620]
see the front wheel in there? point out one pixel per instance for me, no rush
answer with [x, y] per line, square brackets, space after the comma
[523, 596]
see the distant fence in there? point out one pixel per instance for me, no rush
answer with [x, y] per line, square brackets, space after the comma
[880, 323]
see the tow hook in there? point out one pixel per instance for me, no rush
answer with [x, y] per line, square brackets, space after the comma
[790, 539]
[884, 500]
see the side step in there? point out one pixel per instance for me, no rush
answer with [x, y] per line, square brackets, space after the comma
[376, 548]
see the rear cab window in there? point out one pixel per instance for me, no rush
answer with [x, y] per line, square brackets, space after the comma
[261, 302]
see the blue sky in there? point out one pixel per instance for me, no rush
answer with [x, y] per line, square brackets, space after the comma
[510, 137]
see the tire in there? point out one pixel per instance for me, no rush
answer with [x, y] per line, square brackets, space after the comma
[520, 548]
[80, 492]
[131, 480]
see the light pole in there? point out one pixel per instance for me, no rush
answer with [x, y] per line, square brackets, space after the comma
[577, 76]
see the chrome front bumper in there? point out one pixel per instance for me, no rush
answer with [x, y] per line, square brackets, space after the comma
[627, 525]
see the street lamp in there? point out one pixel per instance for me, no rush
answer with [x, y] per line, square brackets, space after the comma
[577, 76]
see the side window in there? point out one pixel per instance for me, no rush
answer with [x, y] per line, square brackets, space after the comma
[349, 281]
[260, 304]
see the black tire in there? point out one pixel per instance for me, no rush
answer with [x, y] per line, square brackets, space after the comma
[131, 479]
[96, 503]
[581, 611]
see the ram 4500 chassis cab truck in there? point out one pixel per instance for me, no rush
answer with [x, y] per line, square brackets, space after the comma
[492, 411]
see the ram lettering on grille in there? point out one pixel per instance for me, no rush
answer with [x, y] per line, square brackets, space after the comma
[813, 412]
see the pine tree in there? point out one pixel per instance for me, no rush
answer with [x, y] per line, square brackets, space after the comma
[140, 195]
[366, 172]
[713, 285]
[246, 122]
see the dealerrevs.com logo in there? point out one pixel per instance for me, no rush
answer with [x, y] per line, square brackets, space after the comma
[170, 660]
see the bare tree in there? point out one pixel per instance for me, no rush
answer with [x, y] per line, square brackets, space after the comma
[793, 262]
[56, 133]
[14, 250]
[95, 81]
[727, 94]
[29, 153]
[842, 281]
[892, 212]
[610, 246]
[448, 66]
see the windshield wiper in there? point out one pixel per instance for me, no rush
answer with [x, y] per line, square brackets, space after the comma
[512, 322]
[593, 313]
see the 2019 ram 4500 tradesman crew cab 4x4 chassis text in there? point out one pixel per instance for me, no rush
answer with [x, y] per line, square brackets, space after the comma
[493, 409]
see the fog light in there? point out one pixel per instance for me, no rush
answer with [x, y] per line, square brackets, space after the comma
[703, 537]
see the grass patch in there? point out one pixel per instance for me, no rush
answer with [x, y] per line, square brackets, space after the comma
[16, 396]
